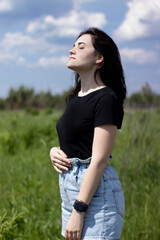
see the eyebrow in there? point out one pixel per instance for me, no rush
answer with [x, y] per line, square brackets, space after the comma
[79, 43]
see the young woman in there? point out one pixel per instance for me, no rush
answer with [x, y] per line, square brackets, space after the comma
[92, 197]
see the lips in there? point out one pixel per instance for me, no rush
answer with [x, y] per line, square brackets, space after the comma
[71, 58]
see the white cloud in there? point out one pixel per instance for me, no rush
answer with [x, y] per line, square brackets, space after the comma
[141, 20]
[16, 45]
[5, 5]
[45, 62]
[21, 61]
[16, 39]
[23, 43]
[69, 25]
[34, 42]
[52, 61]
[6, 58]
[139, 55]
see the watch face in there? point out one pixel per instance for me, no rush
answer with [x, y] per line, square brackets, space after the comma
[79, 206]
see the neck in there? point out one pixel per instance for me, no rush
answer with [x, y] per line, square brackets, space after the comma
[88, 82]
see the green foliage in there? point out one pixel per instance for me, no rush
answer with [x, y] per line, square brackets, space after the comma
[32, 111]
[10, 225]
[20, 98]
[143, 99]
[137, 156]
[29, 192]
[2, 103]
[8, 143]
[48, 111]
[25, 98]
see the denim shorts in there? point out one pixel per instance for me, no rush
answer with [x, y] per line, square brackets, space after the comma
[104, 216]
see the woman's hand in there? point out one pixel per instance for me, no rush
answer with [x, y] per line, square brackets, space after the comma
[74, 226]
[59, 159]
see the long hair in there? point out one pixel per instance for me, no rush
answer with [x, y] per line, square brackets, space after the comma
[111, 71]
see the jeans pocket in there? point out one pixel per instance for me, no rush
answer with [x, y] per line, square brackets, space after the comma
[120, 202]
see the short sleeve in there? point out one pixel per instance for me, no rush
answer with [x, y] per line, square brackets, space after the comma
[108, 110]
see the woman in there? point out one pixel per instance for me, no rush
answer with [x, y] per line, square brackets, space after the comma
[92, 197]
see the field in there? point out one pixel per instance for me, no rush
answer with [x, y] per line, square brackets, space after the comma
[29, 193]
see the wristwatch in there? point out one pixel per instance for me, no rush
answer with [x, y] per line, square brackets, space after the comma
[80, 206]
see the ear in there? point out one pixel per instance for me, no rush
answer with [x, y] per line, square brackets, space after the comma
[99, 59]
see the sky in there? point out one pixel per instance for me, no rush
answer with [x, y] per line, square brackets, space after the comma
[36, 36]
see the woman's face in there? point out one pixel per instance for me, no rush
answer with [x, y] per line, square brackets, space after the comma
[83, 55]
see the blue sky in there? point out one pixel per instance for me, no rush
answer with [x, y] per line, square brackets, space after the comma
[35, 38]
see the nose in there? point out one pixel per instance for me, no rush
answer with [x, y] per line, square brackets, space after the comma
[72, 51]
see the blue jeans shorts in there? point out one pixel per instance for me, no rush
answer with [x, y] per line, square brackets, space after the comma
[104, 216]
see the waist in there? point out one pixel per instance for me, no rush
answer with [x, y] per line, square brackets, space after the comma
[78, 161]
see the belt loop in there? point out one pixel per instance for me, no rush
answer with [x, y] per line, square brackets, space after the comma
[75, 166]
[75, 169]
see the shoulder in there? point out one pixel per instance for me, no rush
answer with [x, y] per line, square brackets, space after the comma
[107, 96]
[108, 109]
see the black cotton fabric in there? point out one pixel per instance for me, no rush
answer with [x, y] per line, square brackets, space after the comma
[76, 126]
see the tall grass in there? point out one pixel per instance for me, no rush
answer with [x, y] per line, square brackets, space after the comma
[29, 193]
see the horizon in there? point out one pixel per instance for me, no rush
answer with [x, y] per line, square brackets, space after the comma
[35, 38]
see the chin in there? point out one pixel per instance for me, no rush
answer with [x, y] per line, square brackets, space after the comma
[71, 67]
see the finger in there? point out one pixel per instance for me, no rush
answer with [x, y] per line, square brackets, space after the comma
[66, 235]
[73, 235]
[70, 236]
[60, 160]
[62, 153]
[78, 235]
[57, 161]
[64, 159]
[59, 156]
[57, 169]
[61, 166]
[56, 151]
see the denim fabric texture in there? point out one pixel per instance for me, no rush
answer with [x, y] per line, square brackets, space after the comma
[104, 216]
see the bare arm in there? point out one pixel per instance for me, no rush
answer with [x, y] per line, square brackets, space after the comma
[103, 142]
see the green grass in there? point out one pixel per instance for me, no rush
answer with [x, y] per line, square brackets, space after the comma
[29, 192]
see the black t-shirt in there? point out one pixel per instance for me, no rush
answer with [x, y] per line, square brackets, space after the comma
[76, 126]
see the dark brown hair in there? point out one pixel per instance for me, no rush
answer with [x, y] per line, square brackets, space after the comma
[111, 72]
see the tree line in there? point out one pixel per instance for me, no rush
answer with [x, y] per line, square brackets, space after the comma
[145, 98]
[25, 98]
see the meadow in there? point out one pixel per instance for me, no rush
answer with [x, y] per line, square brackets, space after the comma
[29, 192]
